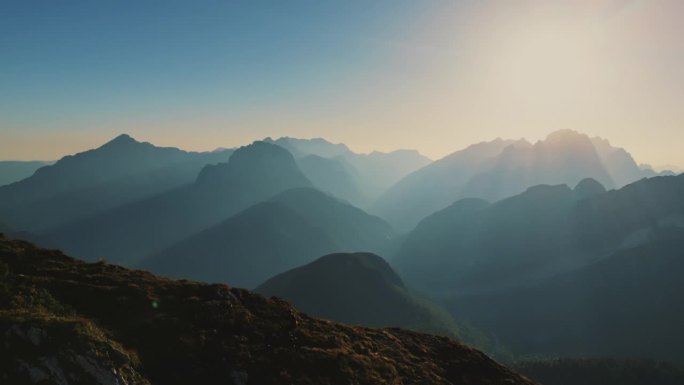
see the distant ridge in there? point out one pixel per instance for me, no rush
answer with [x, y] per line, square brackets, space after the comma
[502, 168]
[136, 230]
[120, 171]
[372, 173]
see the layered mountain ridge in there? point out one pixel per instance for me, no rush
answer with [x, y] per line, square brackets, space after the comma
[130, 232]
[503, 168]
[121, 171]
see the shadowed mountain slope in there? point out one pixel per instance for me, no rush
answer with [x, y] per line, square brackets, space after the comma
[290, 229]
[545, 231]
[360, 289]
[136, 230]
[245, 249]
[335, 177]
[434, 186]
[130, 326]
[351, 228]
[627, 305]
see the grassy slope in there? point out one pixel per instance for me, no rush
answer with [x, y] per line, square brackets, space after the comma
[185, 332]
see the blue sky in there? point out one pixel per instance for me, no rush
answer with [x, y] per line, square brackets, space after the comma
[81, 59]
[434, 75]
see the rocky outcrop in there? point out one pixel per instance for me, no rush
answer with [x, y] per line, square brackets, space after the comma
[105, 323]
[39, 348]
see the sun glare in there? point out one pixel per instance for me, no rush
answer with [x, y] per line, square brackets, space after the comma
[543, 63]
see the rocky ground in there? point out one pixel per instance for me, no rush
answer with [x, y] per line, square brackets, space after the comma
[63, 321]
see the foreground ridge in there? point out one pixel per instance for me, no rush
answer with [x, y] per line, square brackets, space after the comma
[72, 322]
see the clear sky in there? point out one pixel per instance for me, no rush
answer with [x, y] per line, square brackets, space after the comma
[435, 75]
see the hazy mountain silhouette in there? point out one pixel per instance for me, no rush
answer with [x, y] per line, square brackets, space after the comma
[292, 228]
[434, 186]
[300, 148]
[619, 163]
[359, 289]
[546, 230]
[374, 172]
[121, 171]
[626, 305]
[351, 228]
[334, 176]
[500, 169]
[632, 215]
[378, 171]
[139, 229]
[245, 249]
[472, 245]
[601, 270]
[104, 324]
[13, 171]
[564, 157]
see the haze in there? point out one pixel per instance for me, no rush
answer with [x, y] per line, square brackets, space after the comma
[432, 75]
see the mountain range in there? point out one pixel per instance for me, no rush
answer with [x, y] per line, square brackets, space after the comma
[372, 174]
[562, 247]
[473, 245]
[78, 186]
[503, 168]
[136, 230]
[598, 271]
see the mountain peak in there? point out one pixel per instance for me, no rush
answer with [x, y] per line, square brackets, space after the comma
[317, 146]
[588, 187]
[567, 138]
[564, 133]
[258, 164]
[123, 140]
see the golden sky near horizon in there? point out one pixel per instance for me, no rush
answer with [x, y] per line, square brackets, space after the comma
[455, 74]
